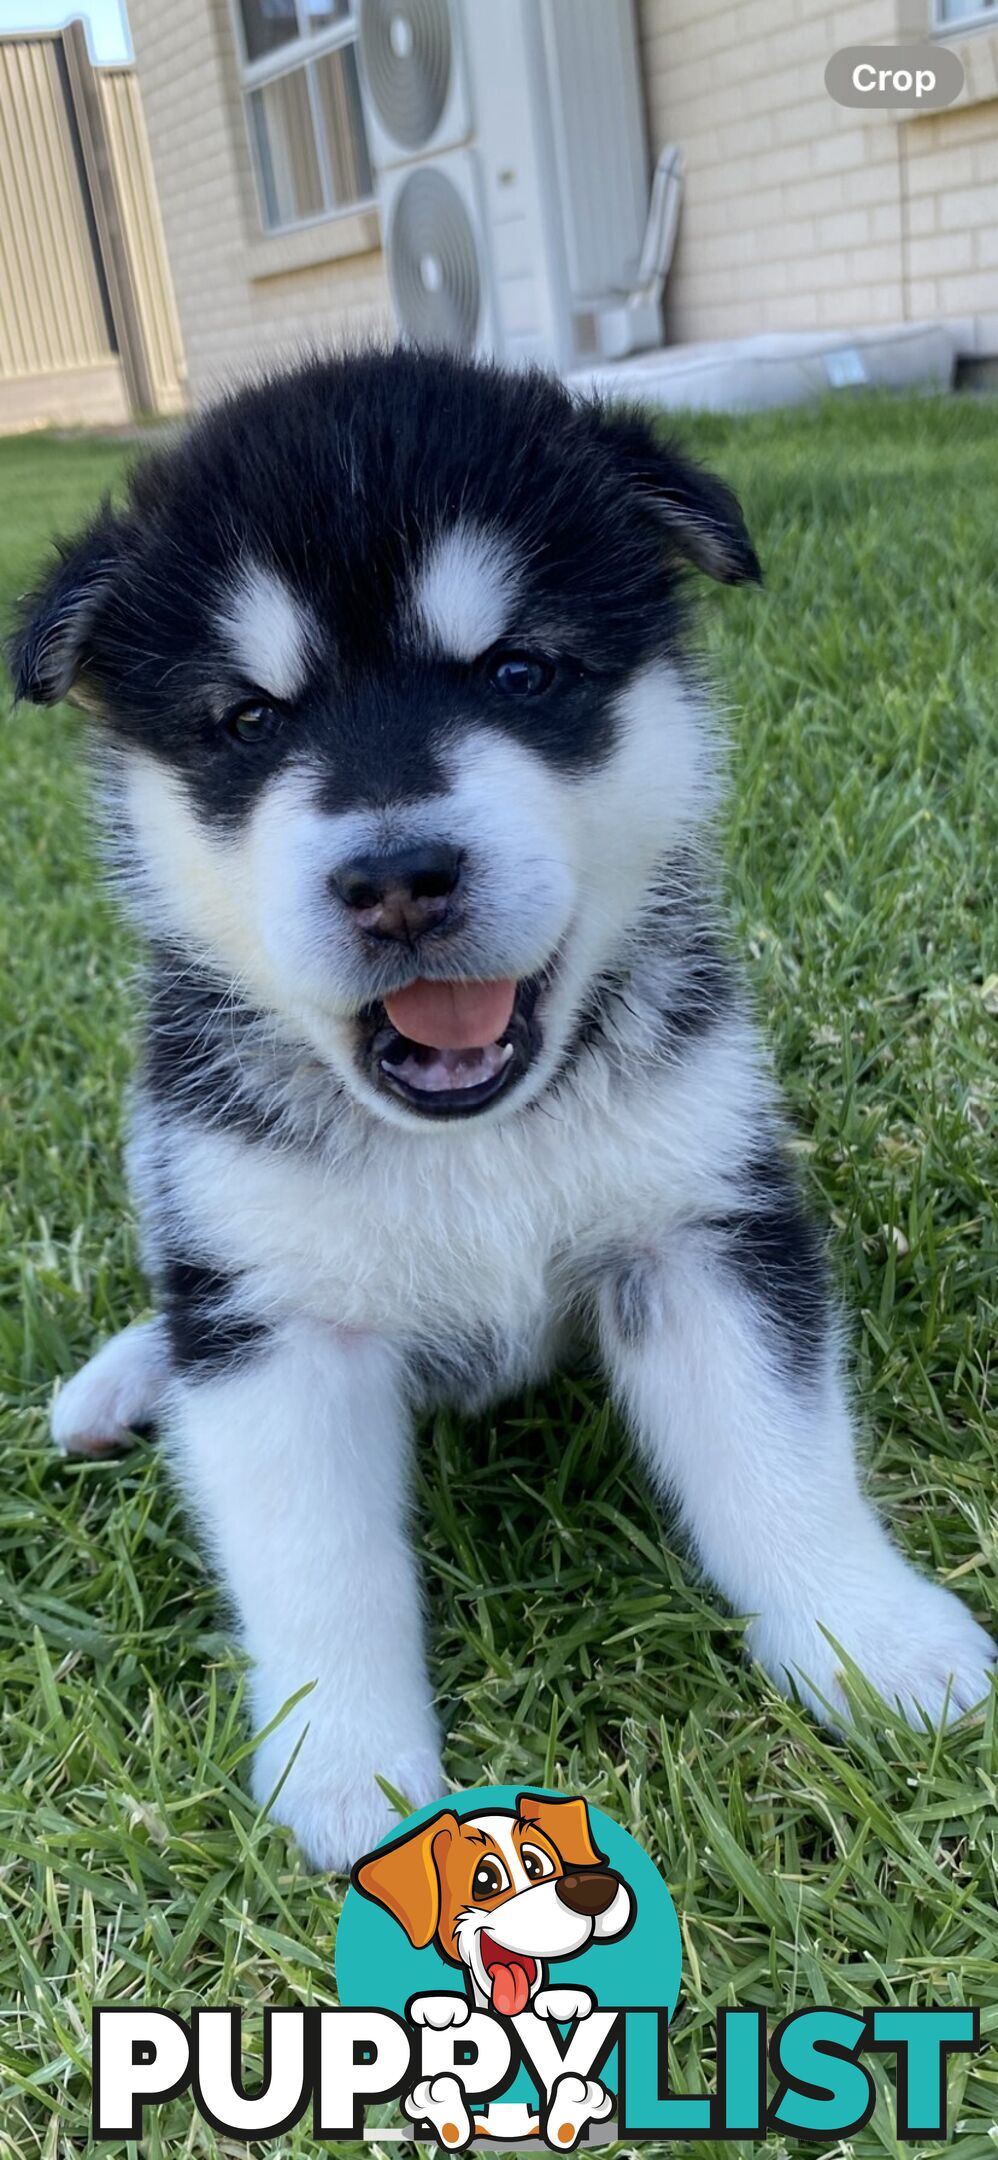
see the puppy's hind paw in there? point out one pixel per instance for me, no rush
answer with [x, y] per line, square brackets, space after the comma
[121, 1389]
[575, 2103]
[441, 2101]
[336, 1822]
[914, 1642]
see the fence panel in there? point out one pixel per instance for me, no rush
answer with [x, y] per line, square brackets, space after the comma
[138, 205]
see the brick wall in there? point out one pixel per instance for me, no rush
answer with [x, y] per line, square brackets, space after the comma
[952, 199]
[800, 214]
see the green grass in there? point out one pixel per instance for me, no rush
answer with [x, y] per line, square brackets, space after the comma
[571, 1644]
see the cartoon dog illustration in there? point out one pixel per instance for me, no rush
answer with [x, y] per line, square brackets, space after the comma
[503, 1895]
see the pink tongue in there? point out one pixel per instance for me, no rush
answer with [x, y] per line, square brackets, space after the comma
[509, 1990]
[452, 1015]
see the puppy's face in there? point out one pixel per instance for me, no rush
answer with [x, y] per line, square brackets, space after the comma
[502, 1894]
[385, 659]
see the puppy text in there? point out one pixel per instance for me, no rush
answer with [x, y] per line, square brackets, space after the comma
[340, 2062]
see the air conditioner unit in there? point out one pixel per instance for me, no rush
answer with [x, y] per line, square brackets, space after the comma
[412, 59]
[508, 139]
[439, 268]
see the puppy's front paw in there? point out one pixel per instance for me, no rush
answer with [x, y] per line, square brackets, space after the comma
[562, 2005]
[439, 2011]
[915, 1643]
[336, 1821]
[123, 1386]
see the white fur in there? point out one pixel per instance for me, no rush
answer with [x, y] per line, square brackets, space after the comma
[575, 2102]
[297, 1470]
[297, 1467]
[394, 1234]
[564, 2005]
[765, 1475]
[441, 2101]
[554, 867]
[267, 631]
[475, 1235]
[440, 2012]
[465, 591]
[534, 1920]
[123, 1386]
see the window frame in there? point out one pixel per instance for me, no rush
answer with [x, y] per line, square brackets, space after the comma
[287, 59]
[978, 16]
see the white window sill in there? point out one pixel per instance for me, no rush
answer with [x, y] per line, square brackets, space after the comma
[974, 43]
[329, 240]
[963, 26]
[978, 50]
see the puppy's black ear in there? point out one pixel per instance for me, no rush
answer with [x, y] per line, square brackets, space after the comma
[52, 639]
[699, 514]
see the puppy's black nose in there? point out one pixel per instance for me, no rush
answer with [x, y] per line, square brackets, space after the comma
[402, 895]
[592, 1891]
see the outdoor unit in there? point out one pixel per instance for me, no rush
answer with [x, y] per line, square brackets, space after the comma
[508, 139]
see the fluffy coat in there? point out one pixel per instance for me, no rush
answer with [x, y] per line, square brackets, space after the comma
[388, 667]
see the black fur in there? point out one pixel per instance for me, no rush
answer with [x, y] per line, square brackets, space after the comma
[465, 1371]
[207, 1054]
[630, 1298]
[703, 993]
[698, 511]
[340, 477]
[207, 1333]
[771, 1247]
[676, 981]
[52, 647]
[774, 1250]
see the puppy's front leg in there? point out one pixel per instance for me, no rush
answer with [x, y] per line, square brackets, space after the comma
[725, 1358]
[294, 1459]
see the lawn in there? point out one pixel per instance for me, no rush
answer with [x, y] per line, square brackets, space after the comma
[571, 1642]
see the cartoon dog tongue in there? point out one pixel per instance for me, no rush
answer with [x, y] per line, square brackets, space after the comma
[452, 1015]
[510, 1988]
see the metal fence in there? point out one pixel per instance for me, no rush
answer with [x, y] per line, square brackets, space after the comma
[88, 324]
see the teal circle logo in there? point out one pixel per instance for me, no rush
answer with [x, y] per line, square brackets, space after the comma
[512, 1899]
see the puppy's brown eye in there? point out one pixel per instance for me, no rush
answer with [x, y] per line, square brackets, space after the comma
[489, 1878]
[252, 722]
[537, 1865]
[520, 674]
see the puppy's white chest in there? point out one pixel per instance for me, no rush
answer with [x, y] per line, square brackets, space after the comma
[407, 1243]
[441, 1250]
[426, 1237]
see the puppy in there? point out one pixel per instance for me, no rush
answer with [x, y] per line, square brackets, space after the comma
[502, 1895]
[406, 775]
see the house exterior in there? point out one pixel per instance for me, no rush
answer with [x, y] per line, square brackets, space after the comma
[798, 214]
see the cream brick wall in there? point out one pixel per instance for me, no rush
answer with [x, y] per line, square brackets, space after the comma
[952, 176]
[800, 214]
[233, 319]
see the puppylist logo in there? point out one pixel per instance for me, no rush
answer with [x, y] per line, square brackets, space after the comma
[508, 1967]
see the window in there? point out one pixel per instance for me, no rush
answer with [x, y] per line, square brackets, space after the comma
[303, 100]
[948, 12]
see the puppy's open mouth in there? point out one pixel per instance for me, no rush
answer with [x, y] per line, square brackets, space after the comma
[446, 1049]
[510, 1974]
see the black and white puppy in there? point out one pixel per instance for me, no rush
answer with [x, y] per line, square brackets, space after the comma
[406, 779]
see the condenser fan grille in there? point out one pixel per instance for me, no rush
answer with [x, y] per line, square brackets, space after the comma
[408, 58]
[433, 262]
